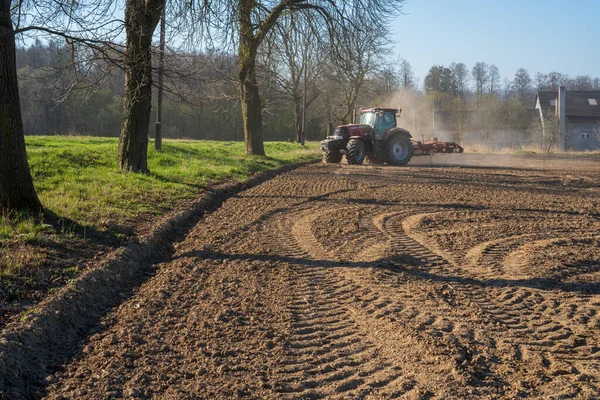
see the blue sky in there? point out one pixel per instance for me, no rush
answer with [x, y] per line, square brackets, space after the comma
[538, 35]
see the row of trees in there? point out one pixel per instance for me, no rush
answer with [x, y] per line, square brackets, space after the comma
[245, 31]
[201, 104]
[486, 79]
[479, 99]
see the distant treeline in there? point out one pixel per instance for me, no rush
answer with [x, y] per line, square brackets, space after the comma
[60, 96]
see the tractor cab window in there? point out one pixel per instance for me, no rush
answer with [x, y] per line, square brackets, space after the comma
[386, 120]
[367, 118]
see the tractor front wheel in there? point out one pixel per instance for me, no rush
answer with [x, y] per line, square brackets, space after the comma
[355, 151]
[399, 150]
[332, 157]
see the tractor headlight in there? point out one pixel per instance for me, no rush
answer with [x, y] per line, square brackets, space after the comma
[337, 137]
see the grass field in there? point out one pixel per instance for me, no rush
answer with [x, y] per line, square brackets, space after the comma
[91, 206]
[77, 177]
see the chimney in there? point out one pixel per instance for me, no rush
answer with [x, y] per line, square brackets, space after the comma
[561, 112]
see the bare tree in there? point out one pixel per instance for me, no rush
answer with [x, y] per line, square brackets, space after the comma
[384, 83]
[252, 21]
[363, 56]
[141, 18]
[480, 74]
[298, 56]
[16, 185]
[582, 82]
[78, 23]
[461, 79]
[522, 84]
[494, 78]
[552, 81]
[407, 77]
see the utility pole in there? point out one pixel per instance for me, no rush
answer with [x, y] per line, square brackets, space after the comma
[161, 65]
[303, 110]
[305, 62]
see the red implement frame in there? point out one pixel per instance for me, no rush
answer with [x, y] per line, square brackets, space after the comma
[431, 146]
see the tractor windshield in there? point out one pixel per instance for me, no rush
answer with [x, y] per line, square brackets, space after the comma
[367, 118]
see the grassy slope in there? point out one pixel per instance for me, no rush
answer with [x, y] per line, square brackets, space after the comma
[77, 177]
[82, 191]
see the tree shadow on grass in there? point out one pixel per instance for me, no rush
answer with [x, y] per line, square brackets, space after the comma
[109, 237]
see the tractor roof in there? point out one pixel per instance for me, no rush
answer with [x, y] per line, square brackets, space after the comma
[381, 109]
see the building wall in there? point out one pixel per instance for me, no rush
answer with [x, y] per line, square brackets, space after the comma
[576, 142]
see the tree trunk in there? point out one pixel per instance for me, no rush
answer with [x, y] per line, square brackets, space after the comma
[16, 185]
[251, 104]
[141, 18]
[298, 118]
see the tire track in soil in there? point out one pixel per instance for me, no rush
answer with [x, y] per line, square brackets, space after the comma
[529, 321]
[329, 354]
[386, 314]
[374, 310]
[506, 309]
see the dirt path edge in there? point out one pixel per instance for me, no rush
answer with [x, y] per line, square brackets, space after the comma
[51, 333]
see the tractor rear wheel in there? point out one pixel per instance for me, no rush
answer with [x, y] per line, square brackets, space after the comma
[332, 157]
[355, 151]
[399, 150]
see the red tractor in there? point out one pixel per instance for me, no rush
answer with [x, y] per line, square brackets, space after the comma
[378, 138]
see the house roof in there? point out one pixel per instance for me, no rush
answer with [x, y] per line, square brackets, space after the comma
[580, 104]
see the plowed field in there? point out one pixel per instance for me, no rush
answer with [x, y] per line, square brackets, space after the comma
[339, 281]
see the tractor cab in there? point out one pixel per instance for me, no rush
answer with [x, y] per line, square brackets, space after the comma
[381, 119]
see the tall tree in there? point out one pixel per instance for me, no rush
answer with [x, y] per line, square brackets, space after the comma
[461, 79]
[254, 20]
[541, 81]
[480, 74]
[494, 79]
[522, 84]
[16, 185]
[448, 82]
[407, 77]
[363, 50]
[141, 18]
[298, 58]
[53, 17]
[385, 82]
[433, 79]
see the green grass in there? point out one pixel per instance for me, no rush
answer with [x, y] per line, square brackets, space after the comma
[77, 177]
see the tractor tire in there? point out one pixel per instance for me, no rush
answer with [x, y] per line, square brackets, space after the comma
[398, 150]
[355, 151]
[331, 157]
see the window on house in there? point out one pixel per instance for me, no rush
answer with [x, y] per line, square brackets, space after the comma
[489, 136]
[553, 103]
[593, 102]
[527, 136]
[586, 136]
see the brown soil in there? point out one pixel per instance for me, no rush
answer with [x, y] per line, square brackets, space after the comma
[346, 281]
